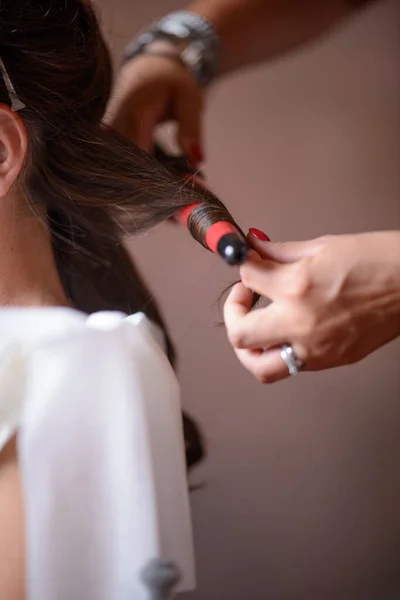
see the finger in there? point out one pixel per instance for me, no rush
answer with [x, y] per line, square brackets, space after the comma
[272, 279]
[188, 112]
[266, 367]
[259, 328]
[286, 252]
[238, 304]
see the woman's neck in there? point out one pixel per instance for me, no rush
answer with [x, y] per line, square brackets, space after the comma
[28, 273]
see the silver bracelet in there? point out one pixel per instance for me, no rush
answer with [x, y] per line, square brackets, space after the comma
[196, 39]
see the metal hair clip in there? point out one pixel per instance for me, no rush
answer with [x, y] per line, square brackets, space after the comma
[16, 103]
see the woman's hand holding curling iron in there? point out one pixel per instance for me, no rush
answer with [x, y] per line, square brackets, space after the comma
[335, 300]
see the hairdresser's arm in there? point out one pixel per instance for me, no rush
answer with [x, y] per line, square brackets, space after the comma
[335, 300]
[256, 30]
[153, 89]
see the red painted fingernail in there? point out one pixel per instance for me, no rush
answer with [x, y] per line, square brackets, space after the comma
[259, 235]
[197, 153]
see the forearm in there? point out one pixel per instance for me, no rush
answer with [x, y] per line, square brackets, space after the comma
[255, 30]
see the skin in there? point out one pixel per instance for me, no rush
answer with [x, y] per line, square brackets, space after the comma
[335, 299]
[150, 90]
[28, 277]
[153, 89]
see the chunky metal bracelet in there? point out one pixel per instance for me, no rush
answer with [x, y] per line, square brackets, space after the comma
[195, 38]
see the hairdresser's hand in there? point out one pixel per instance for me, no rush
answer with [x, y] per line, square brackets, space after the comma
[150, 90]
[335, 300]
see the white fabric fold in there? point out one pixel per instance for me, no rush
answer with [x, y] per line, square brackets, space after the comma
[101, 452]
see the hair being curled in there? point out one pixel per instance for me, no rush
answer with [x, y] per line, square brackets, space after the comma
[96, 187]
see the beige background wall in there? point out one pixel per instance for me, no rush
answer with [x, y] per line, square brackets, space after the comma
[302, 496]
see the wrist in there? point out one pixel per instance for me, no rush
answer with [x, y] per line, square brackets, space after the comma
[393, 249]
[388, 243]
[184, 36]
[164, 47]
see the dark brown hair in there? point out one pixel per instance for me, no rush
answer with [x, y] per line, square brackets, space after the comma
[96, 187]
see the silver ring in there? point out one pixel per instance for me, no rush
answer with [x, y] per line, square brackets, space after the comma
[293, 363]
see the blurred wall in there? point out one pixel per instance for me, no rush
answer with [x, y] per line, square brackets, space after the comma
[302, 496]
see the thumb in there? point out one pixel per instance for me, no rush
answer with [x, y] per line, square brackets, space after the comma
[268, 278]
[286, 252]
[188, 111]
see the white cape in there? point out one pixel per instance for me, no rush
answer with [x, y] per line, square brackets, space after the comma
[101, 452]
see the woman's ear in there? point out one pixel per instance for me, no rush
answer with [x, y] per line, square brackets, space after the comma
[13, 147]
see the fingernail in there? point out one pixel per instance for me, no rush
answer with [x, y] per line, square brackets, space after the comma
[197, 153]
[259, 235]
